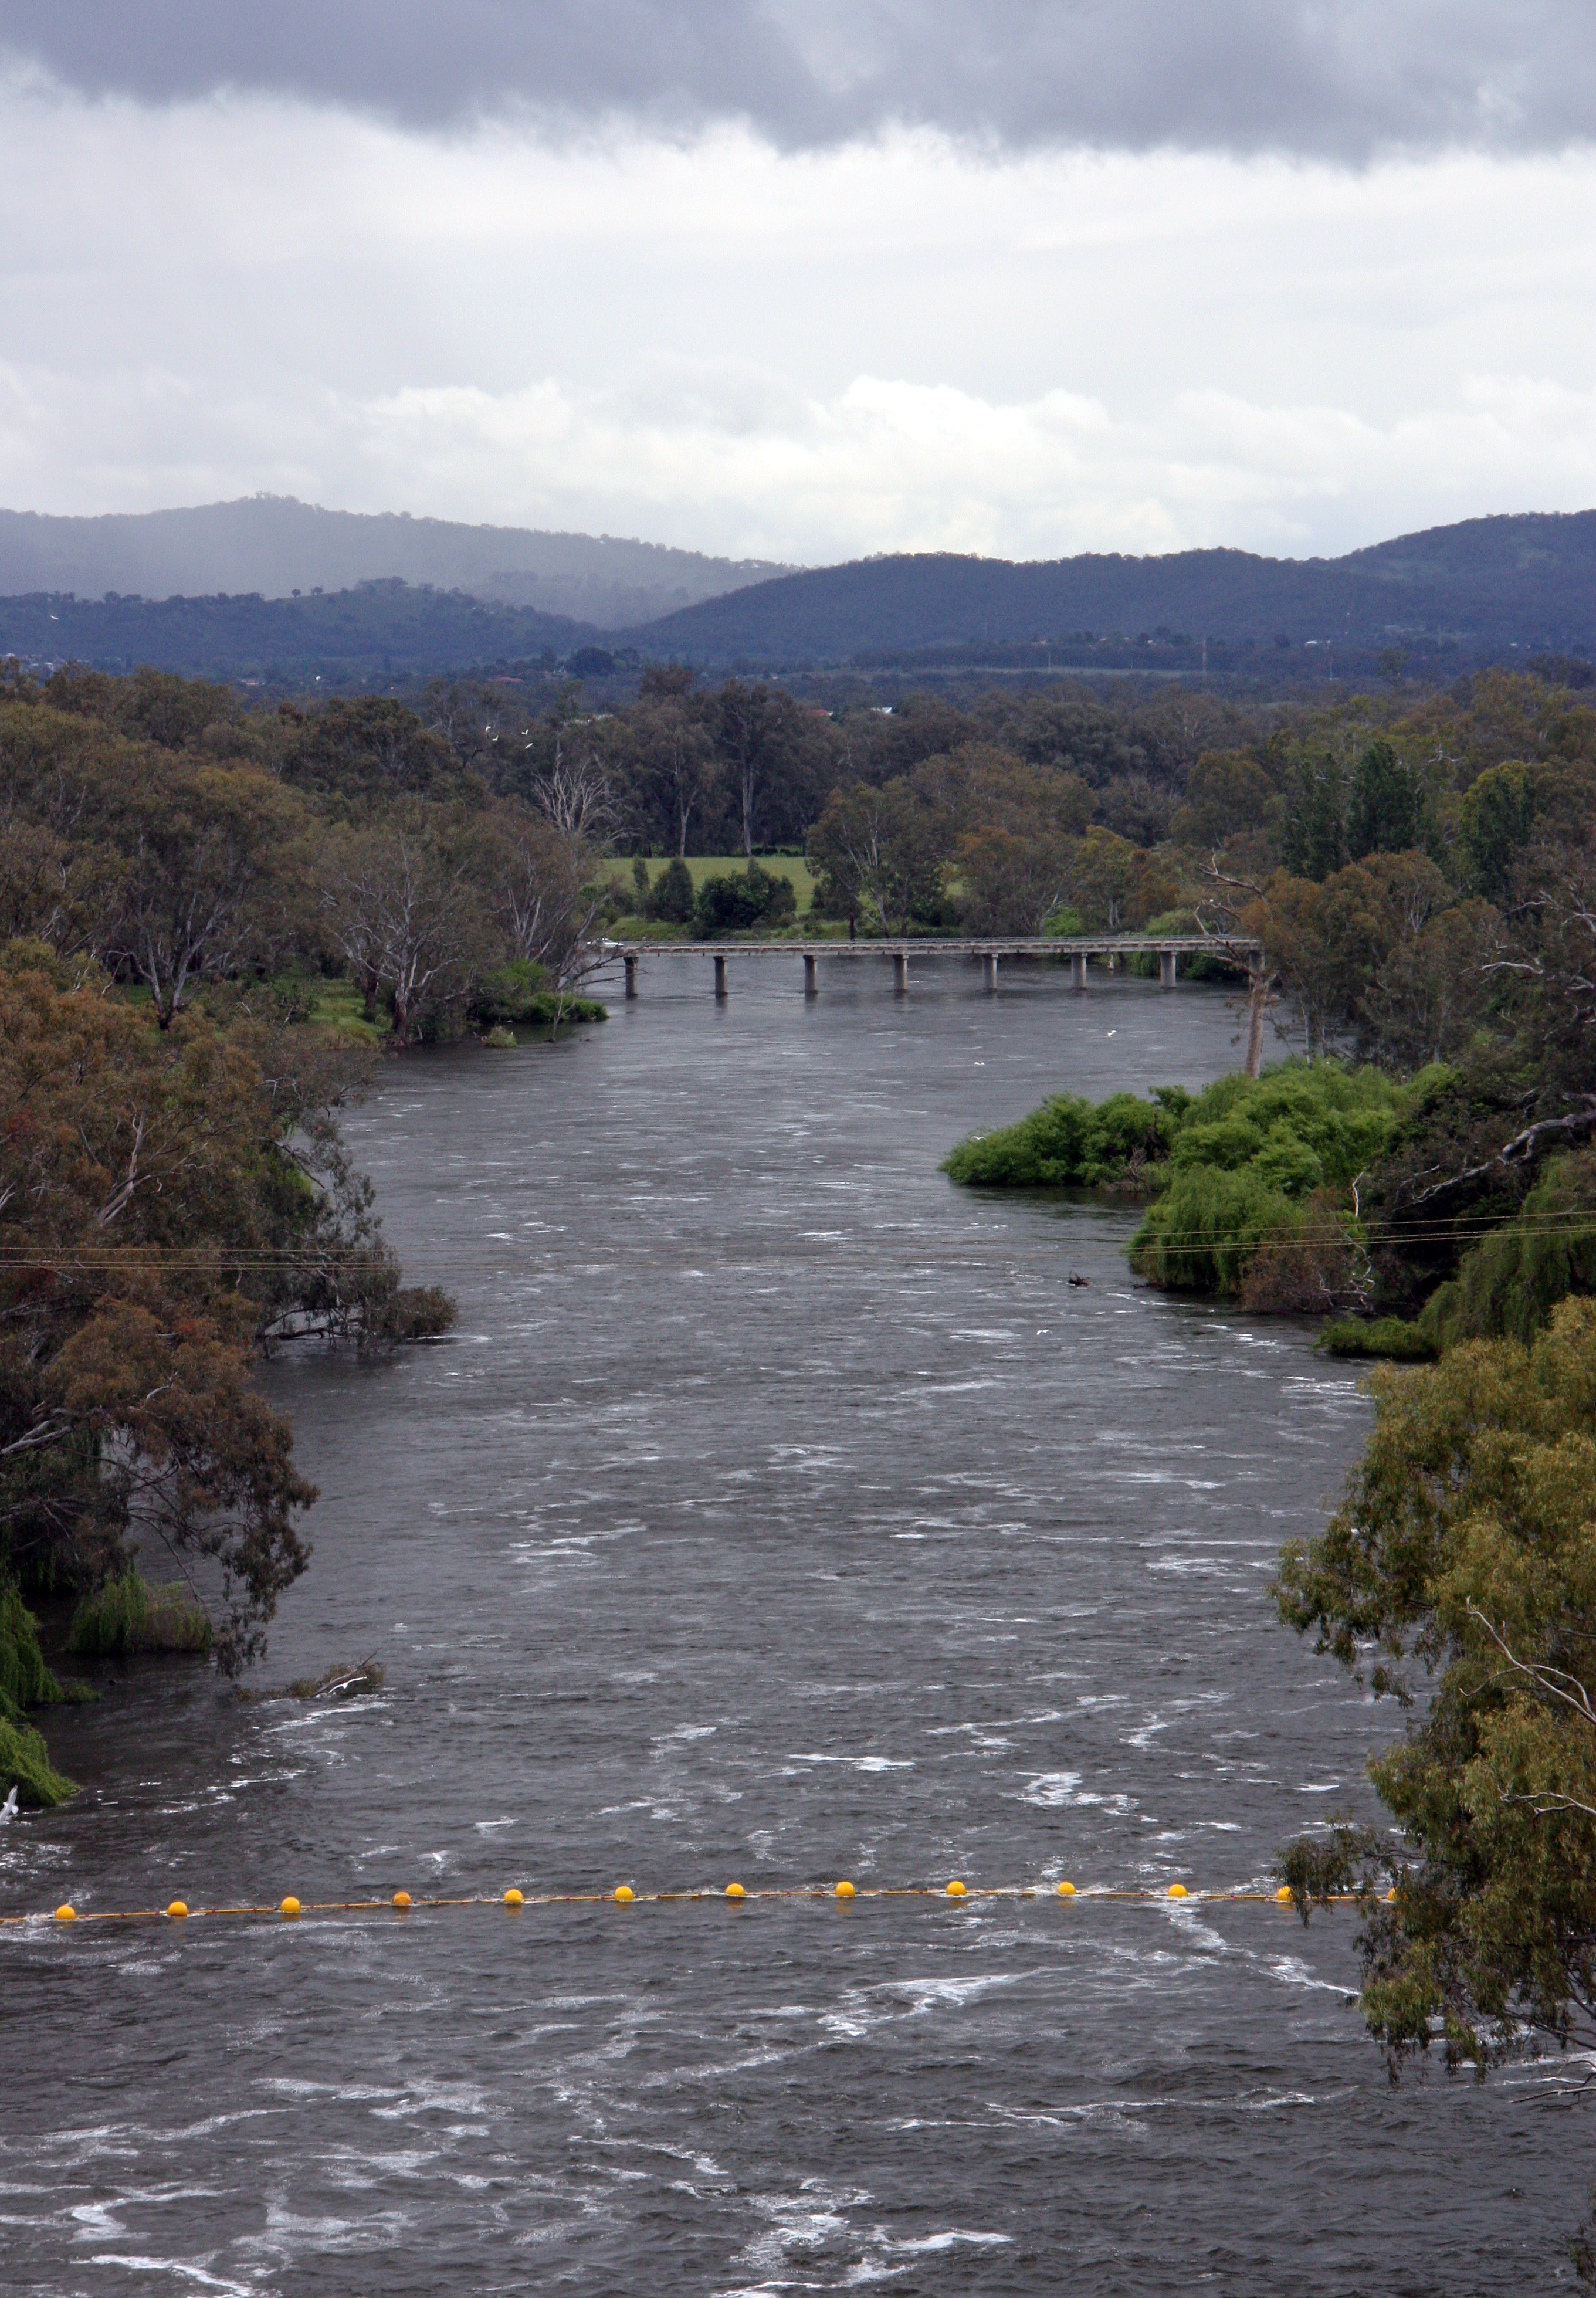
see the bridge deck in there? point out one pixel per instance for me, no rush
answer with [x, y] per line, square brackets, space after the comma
[1240, 946]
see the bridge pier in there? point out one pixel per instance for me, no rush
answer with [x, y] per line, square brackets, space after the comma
[1166, 969]
[1113, 961]
[811, 977]
[720, 976]
[630, 974]
[1078, 968]
[900, 972]
[990, 966]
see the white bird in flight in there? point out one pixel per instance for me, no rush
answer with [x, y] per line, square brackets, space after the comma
[8, 1809]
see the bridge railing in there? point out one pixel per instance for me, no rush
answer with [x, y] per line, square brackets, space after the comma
[1240, 949]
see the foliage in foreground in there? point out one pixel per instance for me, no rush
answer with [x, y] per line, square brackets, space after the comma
[1467, 1543]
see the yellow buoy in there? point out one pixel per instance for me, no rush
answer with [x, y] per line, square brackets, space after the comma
[64, 1914]
[735, 1891]
[624, 1891]
[514, 1898]
[1066, 1891]
[1178, 1891]
[177, 1910]
[956, 1889]
[401, 1900]
[1284, 1892]
[289, 1908]
[844, 1890]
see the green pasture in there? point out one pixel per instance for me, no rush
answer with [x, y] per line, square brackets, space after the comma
[729, 865]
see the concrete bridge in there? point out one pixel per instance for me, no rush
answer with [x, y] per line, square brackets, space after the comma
[1078, 948]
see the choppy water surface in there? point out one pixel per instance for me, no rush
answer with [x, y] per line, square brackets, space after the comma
[778, 1513]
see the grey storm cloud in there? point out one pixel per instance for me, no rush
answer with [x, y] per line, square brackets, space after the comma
[1339, 80]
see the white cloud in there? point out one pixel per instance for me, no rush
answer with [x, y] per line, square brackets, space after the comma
[905, 466]
[887, 345]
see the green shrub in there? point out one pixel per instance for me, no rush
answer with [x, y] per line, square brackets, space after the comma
[754, 897]
[1263, 1166]
[672, 900]
[1304, 1125]
[418, 1312]
[1381, 1336]
[25, 1681]
[25, 1764]
[1067, 1143]
[1250, 1168]
[519, 993]
[551, 1005]
[127, 1615]
[1206, 1227]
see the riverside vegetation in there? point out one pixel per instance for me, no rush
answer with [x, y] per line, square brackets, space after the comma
[173, 1202]
[1430, 1192]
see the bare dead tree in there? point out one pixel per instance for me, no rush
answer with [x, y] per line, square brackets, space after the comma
[403, 914]
[575, 793]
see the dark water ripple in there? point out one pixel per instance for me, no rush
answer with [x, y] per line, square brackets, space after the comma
[779, 1512]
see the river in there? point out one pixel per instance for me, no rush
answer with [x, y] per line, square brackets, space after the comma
[778, 1513]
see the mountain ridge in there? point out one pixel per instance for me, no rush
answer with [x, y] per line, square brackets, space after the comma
[277, 545]
[1447, 597]
[1525, 579]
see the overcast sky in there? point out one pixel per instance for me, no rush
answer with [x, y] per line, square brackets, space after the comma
[806, 280]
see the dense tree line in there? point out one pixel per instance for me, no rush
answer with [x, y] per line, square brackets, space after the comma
[154, 826]
[1400, 859]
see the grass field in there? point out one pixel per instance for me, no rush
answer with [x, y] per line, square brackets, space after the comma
[732, 865]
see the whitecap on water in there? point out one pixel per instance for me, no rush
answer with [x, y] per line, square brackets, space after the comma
[197, 2277]
[860, 1762]
[1055, 1790]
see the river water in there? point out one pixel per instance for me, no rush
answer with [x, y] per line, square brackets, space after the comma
[777, 1513]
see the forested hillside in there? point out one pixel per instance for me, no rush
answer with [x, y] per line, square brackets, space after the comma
[1429, 607]
[274, 546]
[372, 636]
[1481, 588]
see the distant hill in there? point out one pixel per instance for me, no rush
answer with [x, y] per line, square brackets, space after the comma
[276, 546]
[1486, 589]
[1484, 585]
[372, 634]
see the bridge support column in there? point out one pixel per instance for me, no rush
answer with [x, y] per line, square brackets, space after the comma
[900, 972]
[630, 974]
[811, 978]
[720, 977]
[1078, 968]
[1113, 961]
[990, 967]
[1166, 969]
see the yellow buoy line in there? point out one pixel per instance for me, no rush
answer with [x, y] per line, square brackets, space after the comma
[622, 1895]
